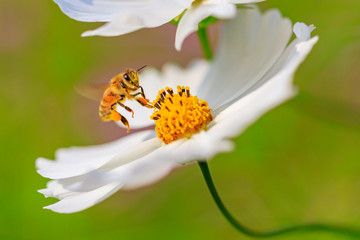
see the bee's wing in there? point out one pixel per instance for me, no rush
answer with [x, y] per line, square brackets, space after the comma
[92, 91]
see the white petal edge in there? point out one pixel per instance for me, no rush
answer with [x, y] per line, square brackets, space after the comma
[81, 201]
[81, 192]
[148, 15]
[192, 17]
[157, 164]
[96, 10]
[136, 173]
[56, 190]
[74, 161]
[303, 31]
[250, 45]
[277, 89]
[168, 156]
[135, 166]
[200, 147]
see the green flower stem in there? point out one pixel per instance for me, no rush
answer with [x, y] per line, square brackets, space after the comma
[204, 42]
[264, 234]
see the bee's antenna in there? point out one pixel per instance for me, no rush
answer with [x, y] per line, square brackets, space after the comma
[141, 68]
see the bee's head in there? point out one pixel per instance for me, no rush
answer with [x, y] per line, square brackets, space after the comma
[131, 78]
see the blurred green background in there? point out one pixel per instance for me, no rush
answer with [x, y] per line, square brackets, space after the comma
[299, 163]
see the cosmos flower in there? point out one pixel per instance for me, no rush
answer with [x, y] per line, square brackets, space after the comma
[251, 73]
[125, 16]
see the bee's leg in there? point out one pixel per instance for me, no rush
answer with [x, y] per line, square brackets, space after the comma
[126, 123]
[144, 102]
[143, 93]
[118, 117]
[134, 95]
[127, 108]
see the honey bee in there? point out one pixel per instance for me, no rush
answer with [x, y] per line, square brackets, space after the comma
[122, 87]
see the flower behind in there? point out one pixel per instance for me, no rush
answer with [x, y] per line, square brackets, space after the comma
[126, 16]
[251, 74]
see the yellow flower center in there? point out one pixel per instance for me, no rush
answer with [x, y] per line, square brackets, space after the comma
[179, 115]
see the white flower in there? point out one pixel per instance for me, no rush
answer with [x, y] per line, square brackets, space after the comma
[221, 9]
[251, 74]
[125, 16]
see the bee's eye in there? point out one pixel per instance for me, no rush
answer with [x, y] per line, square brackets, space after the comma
[127, 78]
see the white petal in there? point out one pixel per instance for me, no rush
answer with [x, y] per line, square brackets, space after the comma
[133, 175]
[131, 171]
[153, 81]
[105, 10]
[75, 161]
[192, 17]
[147, 169]
[250, 45]
[201, 146]
[144, 171]
[80, 201]
[137, 173]
[147, 14]
[119, 169]
[56, 190]
[224, 10]
[192, 75]
[276, 88]
[95, 10]
[302, 31]
[132, 153]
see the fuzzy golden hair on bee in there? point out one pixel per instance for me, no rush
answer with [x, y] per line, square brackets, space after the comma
[124, 86]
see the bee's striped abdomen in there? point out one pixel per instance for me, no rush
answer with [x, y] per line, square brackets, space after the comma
[107, 104]
[105, 112]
